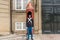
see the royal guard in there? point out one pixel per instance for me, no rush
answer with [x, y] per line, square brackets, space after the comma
[31, 9]
[29, 20]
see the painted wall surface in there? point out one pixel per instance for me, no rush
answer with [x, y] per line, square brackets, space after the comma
[4, 16]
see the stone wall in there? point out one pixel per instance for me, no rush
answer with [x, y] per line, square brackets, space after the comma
[4, 16]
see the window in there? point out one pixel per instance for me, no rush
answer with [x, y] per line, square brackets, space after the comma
[57, 9]
[47, 1]
[21, 4]
[51, 16]
[57, 1]
[20, 26]
[47, 9]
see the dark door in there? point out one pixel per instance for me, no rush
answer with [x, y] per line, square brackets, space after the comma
[50, 16]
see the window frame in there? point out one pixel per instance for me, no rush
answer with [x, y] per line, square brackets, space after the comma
[20, 25]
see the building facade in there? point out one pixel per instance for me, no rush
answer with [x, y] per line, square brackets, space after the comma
[51, 16]
[13, 16]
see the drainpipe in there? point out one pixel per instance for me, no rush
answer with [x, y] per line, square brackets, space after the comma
[11, 31]
[36, 6]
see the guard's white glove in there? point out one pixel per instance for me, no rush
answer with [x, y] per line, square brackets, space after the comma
[26, 28]
[32, 27]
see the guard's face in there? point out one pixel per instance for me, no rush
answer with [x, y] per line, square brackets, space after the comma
[29, 16]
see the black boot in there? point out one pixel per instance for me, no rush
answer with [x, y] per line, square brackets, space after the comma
[32, 39]
[26, 39]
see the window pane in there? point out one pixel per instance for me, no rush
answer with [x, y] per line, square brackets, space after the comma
[47, 1]
[47, 9]
[46, 18]
[58, 18]
[47, 27]
[18, 4]
[57, 9]
[57, 1]
[25, 2]
[58, 28]
[55, 18]
[21, 4]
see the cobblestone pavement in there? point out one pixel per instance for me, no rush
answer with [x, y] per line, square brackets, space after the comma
[17, 37]
[36, 37]
[49, 36]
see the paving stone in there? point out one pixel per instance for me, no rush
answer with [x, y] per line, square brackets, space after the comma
[17, 37]
[36, 37]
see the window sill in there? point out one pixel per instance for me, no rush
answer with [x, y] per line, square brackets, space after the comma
[19, 11]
